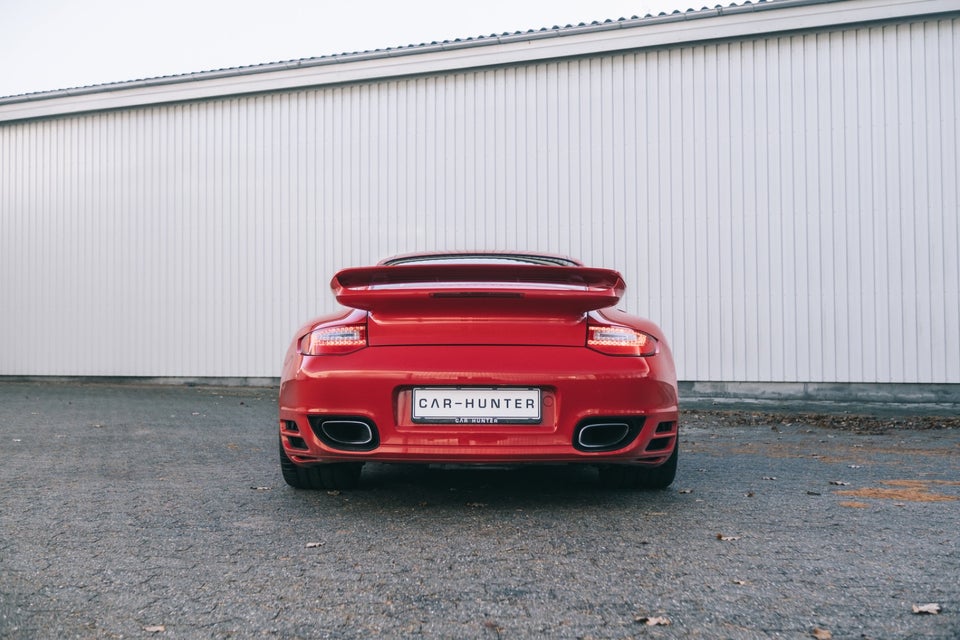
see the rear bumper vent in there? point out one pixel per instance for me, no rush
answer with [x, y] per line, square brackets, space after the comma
[659, 444]
[666, 427]
[297, 443]
[606, 434]
[347, 433]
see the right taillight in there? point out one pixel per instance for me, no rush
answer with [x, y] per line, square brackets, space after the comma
[620, 341]
[334, 340]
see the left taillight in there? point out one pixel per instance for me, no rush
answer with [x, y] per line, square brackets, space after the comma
[334, 340]
[620, 341]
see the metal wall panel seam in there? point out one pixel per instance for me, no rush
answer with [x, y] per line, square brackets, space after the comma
[950, 82]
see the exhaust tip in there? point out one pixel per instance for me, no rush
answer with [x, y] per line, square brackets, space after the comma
[606, 435]
[349, 434]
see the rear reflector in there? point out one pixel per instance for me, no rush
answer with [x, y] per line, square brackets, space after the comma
[620, 341]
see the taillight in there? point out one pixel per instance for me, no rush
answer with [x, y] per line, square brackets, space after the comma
[620, 341]
[334, 340]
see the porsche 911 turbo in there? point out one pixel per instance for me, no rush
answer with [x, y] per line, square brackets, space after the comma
[478, 358]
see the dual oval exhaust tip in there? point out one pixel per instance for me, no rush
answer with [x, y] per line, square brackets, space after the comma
[349, 434]
[356, 434]
[604, 436]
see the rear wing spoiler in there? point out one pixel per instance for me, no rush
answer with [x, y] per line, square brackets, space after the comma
[409, 288]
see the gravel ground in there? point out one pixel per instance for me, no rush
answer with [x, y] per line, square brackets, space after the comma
[854, 422]
[159, 512]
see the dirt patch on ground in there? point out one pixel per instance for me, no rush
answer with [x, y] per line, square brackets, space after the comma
[845, 422]
[922, 483]
[851, 504]
[903, 491]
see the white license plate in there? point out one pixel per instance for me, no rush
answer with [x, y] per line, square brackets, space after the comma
[474, 405]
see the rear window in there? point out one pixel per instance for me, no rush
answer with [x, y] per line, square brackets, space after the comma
[483, 258]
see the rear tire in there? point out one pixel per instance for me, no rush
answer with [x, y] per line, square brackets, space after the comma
[629, 476]
[329, 476]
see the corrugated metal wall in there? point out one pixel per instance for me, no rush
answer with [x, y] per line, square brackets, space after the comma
[786, 208]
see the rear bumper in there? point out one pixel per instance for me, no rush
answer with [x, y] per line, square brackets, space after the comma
[578, 386]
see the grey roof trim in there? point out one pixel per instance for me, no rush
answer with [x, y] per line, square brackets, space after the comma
[416, 49]
[771, 16]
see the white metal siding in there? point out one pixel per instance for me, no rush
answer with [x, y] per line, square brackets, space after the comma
[785, 207]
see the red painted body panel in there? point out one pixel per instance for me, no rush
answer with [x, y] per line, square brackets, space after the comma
[415, 339]
[375, 383]
[468, 290]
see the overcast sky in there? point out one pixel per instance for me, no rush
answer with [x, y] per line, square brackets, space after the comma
[59, 44]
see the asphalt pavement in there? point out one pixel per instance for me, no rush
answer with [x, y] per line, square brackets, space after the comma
[159, 512]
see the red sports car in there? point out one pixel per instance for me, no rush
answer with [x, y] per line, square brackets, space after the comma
[495, 358]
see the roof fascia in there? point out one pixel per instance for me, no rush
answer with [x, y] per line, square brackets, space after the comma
[665, 30]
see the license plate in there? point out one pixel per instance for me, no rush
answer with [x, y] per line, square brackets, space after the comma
[474, 405]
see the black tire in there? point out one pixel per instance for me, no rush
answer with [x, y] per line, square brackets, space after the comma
[628, 476]
[660, 477]
[330, 476]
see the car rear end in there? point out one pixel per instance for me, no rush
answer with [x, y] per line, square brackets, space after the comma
[479, 363]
